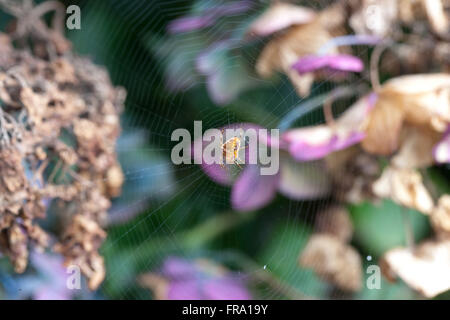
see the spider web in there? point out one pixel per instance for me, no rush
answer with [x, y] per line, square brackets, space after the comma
[147, 229]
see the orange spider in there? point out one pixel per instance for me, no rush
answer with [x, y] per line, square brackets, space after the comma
[230, 149]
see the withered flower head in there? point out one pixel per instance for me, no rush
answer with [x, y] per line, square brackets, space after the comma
[49, 97]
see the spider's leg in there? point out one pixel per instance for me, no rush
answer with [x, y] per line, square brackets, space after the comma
[237, 163]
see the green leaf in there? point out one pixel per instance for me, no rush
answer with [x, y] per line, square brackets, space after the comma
[380, 227]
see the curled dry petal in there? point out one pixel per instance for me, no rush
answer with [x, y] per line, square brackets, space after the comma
[416, 147]
[405, 187]
[419, 100]
[424, 269]
[334, 261]
[436, 15]
[440, 217]
[280, 16]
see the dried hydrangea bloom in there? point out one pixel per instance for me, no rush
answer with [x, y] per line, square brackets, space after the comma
[424, 268]
[48, 99]
[333, 260]
[405, 187]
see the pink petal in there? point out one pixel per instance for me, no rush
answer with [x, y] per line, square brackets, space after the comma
[340, 62]
[303, 180]
[225, 289]
[441, 151]
[185, 290]
[252, 190]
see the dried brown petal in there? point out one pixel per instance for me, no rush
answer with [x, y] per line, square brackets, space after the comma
[334, 261]
[405, 187]
[280, 16]
[440, 217]
[424, 269]
[416, 148]
[383, 127]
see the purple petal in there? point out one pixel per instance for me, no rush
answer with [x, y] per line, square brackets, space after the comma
[185, 290]
[304, 148]
[51, 293]
[174, 268]
[225, 289]
[441, 151]
[303, 180]
[310, 143]
[346, 63]
[187, 24]
[208, 17]
[252, 190]
[217, 173]
[310, 63]
[341, 62]
[51, 266]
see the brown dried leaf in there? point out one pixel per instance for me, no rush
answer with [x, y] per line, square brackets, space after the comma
[334, 261]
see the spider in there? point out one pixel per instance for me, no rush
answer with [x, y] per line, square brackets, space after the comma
[231, 148]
